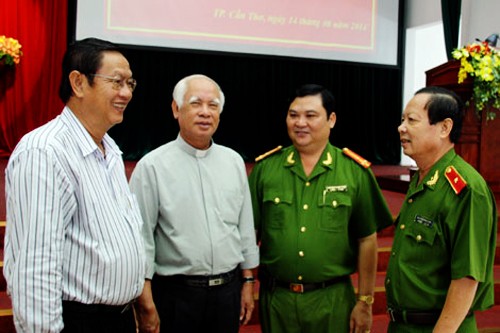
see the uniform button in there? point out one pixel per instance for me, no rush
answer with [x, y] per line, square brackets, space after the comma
[306, 207]
[419, 238]
[410, 200]
[299, 277]
[308, 184]
[402, 227]
[387, 281]
[335, 203]
[301, 253]
[303, 229]
[276, 200]
[393, 253]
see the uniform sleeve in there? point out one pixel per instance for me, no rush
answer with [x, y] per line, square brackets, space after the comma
[371, 213]
[143, 183]
[473, 240]
[256, 195]
[246, 227]
[38, 197]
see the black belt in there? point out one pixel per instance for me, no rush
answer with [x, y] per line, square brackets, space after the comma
[300, 288]
[416, 317]
[202, 281]
[77, 307]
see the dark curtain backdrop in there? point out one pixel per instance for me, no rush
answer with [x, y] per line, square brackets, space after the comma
[257, 93]
[369, 98]
[28, 93]
[451, 10]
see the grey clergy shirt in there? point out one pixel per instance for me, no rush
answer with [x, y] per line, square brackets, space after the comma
[196, 209]
[73, 226]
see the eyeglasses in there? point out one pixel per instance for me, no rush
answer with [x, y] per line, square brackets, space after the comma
[118, 83]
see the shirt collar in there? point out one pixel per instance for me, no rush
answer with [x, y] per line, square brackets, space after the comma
[436, 173]
[83, 138]
[326, 160]
[198, 153]
[325, 163]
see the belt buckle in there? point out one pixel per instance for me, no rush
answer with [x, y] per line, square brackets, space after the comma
[215, 282]
[297, 288]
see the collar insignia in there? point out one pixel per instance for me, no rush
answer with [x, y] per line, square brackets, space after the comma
[290, 159]
[434, 179]
[328, 160]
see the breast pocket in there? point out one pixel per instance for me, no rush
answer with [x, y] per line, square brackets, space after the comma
[277, 209]
[335, 210]
[420, 240]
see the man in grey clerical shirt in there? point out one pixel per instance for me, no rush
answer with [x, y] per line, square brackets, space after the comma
[198, 223]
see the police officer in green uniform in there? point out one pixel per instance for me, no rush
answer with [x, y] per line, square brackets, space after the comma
[317, 210]
[441, 268]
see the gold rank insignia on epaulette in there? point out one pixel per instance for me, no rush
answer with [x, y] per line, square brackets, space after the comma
[360, 160]
[266, 154]
[455, 179]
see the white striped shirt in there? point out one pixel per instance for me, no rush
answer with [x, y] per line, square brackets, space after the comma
[73, 227]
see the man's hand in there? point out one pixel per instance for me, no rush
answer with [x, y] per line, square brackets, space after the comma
[361, 318]
[247, 303]
[147, 316]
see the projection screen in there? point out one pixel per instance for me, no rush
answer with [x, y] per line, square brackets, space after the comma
[363, 31]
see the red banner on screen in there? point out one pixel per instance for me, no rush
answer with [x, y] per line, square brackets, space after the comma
[322, 24]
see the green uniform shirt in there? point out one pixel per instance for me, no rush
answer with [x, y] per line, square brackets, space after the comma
[309, 226]
[440, 236]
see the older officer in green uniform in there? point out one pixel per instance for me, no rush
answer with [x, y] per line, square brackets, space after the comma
[317, 210]
[441, 268]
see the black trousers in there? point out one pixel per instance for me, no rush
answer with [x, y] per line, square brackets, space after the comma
[185, 309]
[89, 318]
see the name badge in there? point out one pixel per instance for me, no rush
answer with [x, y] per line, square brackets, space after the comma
[333, 188]
[336, 188]
[424, 221]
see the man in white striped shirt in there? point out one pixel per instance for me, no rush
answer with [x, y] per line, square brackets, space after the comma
[74, 257]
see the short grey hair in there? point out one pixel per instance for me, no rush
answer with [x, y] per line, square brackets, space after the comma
[181, 88]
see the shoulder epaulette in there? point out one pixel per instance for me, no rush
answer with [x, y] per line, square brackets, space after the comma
[360, 160]
[455, 179]
[266, 154]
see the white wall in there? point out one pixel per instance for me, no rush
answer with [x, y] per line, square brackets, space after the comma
[480, 18]
[425, 47]
[422, 12]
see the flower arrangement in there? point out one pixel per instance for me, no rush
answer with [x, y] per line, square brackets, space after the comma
[482, 63]
[10, 51]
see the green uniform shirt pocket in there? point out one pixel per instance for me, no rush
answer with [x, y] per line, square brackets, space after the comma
[335, 208]
[419, 247]
[277, 209]
[422, 233]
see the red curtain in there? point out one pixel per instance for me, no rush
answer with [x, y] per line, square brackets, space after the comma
[29, 92]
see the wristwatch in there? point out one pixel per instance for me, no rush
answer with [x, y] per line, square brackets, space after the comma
[368, 299]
